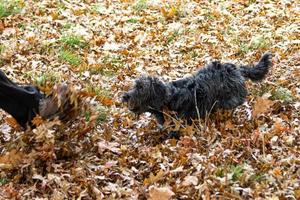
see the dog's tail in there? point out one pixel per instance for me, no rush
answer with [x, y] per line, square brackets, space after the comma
[260, 70]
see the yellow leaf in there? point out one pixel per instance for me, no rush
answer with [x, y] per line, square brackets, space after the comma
[168, 13]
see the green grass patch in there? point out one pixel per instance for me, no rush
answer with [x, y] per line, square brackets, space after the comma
[74, 41]
[67, 26]
[140, 5]
[98, 8]
[194, 54]
[236, 171]
[22, 26]
[70, 57]
[98, 91]
[220, 172]
[3, 181]
[282, 94]
[102, 114]
[114, 61]
[9, 7]
[257, 178]
[132, 20]
[172, 37]
[259, 42]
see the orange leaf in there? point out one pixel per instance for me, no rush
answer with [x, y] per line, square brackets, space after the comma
[277, 172]
[12, 122]
[1, 26]
[279, 128]
[11, 159]
[105, 100]
[229, 125]
[37, 120]
[170, 13]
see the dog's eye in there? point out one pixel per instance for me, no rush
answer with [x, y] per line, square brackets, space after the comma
[139, 86]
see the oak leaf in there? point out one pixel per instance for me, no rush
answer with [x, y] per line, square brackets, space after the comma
[154, 178]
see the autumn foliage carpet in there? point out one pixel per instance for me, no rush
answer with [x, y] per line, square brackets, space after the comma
[100, 47]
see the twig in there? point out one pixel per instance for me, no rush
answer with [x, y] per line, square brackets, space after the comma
[263, 141]
[207, 115]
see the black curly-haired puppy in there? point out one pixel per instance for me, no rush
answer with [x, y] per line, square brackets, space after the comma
[216, 86]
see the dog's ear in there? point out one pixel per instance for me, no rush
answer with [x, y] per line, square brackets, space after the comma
[217, 64]
[158, 86]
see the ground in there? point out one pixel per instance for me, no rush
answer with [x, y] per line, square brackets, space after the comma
[99, 48]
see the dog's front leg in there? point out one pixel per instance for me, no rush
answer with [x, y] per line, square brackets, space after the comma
[159, 116]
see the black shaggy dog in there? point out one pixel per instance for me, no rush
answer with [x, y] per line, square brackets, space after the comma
[216, 86]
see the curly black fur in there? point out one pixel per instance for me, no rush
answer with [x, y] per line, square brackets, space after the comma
[216, 86]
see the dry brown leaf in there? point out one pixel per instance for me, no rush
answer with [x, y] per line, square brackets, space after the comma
[187, 142]
[11, 159]
[1, 26]
[189, 130]
[229, 125]
[261, 106]
[162, 193]
[154, 178]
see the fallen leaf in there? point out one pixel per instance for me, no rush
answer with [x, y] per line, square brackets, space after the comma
[190, 180]
[154, 178]
[162, 193]
[261, 106]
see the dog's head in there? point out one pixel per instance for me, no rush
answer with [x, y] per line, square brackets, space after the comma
[146, 94]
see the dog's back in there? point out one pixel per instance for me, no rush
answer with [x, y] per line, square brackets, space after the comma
[220, 85]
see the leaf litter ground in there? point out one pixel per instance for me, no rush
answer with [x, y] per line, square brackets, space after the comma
[99, 47]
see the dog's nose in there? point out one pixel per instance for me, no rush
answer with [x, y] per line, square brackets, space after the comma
[125, 97]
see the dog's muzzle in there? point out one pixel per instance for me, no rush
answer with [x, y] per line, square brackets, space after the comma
[125, 97]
